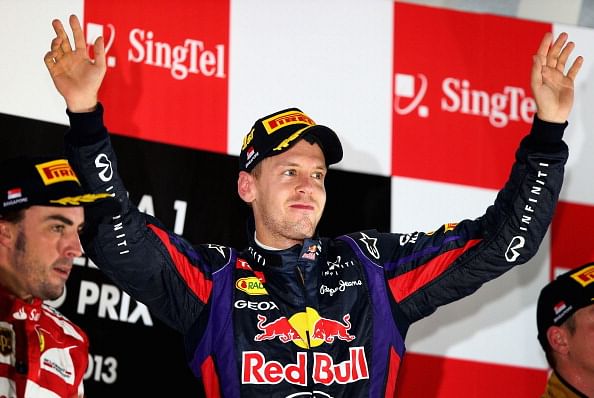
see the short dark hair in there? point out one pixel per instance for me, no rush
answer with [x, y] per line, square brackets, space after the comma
[257, 170]
[13, 216]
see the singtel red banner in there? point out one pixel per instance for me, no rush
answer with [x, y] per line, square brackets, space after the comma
[168, 68]
[462, 98]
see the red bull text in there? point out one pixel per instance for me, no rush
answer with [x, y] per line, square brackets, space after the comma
[257, 370]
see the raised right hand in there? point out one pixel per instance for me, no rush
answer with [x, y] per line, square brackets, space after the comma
[76, 76]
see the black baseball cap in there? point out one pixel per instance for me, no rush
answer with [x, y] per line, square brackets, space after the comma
[275, 133]
[41, 181]
[562, 297]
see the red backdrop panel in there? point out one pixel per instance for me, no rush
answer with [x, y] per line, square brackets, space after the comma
[432, 376]
[571, 236]
[462, 98]
[168, 61]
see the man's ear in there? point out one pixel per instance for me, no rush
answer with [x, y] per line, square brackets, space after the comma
[246, 186]
[557, 337]
[7, 232]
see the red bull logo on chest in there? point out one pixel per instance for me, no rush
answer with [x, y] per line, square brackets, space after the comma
[302, 324]
[255, 369]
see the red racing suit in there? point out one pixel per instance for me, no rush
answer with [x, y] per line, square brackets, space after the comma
[42, 354]
[327, 318]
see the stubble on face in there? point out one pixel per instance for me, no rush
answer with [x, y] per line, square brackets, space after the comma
[297, 230]
[34, 272]
[290, 195]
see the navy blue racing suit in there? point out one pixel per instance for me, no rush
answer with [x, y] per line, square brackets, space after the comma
[327, 318]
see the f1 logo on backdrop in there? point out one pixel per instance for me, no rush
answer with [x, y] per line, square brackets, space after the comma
[460, 108]
[167, 78]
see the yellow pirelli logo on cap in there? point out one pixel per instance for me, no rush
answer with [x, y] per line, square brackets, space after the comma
[286, 119]
[56, 171]
[584, 276]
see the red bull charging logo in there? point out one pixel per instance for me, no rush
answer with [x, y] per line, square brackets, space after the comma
[296, 328]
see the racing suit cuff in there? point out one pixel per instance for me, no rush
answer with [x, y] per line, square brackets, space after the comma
[545, 136]
[86, 128]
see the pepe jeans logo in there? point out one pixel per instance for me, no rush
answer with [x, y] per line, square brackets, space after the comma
[342, 286]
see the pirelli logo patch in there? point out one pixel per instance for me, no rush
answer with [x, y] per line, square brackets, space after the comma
[584, 276]
[281, 120]
[56, 171]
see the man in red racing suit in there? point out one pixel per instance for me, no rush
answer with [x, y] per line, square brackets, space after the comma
[295, 314]
[57, 350]
[42, 353]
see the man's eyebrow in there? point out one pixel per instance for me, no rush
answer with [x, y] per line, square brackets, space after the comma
[58, 217]
[297, 164]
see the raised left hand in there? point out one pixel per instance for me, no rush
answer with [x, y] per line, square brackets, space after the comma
[553, 89]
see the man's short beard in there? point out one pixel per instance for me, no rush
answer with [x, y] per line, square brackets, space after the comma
[21, 242]
[297, 231]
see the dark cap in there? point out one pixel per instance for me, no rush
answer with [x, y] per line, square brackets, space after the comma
[41, 181]
[274, 134]
[562, 297]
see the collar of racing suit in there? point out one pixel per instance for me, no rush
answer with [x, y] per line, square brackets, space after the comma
[291, 276]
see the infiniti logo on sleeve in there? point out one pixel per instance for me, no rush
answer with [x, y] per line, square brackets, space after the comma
[102, 162]
[512, 253]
